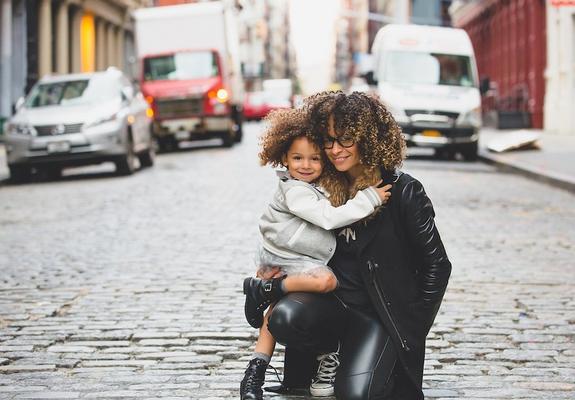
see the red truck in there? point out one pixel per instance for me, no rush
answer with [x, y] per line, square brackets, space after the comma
[190, 71]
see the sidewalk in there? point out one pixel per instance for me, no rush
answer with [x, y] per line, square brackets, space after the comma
[553, 162]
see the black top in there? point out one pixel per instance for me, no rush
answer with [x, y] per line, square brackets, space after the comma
[351, 289]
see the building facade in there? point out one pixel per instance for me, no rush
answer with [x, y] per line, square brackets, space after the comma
[560, 73]
[509, 40]
[41, 37]
[279, 53]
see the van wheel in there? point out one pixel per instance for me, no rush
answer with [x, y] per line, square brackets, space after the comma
[444, 154]
[469, 152]
[20, 173]
[53, 173]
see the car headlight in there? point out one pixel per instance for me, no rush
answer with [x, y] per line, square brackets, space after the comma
[20, 129]
[103, 120]
[471, 117]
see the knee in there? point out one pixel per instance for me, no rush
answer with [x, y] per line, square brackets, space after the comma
[285, 320]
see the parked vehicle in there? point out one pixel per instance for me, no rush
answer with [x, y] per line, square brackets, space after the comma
[79, 119]
[427, 76]
[259, 104]
[190, 71]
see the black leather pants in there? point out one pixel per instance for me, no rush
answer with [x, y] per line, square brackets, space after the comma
[317, 323]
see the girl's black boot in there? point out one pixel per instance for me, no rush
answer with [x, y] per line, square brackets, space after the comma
[259, 295]
[251, 386]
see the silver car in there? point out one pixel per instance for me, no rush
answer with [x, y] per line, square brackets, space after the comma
[79, 119]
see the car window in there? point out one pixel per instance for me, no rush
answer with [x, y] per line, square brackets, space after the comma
[76, 92]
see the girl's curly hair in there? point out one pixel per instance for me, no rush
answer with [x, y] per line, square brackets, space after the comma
[368, 121]
[283, 126]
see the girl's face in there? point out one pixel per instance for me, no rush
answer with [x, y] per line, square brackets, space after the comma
[344, 155]
[303, 160]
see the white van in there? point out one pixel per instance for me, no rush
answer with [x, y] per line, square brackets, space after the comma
[427, 77]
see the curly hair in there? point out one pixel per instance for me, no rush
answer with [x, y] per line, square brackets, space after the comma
[283, 127]
[369, 122]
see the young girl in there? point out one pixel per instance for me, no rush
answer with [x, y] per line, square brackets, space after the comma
[296, 239]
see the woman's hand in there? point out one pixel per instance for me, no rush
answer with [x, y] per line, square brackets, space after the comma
[383, 193]
[269, 273]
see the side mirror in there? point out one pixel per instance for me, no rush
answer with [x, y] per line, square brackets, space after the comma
[18, 105]
[484, 85]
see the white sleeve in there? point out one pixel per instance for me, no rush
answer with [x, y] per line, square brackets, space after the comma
[301, 201]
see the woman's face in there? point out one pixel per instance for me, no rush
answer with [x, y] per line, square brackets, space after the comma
[344, 159]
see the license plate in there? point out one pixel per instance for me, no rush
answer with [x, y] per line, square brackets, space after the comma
[182, 135]
[431, 133]
[58, 147]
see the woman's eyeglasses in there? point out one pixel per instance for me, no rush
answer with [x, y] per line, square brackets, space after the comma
[343, 141]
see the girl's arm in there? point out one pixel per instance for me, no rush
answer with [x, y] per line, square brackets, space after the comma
[301, 201]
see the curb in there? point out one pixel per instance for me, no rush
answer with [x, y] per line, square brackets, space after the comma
[554, 179]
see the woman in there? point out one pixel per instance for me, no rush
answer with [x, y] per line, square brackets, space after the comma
[391, 267]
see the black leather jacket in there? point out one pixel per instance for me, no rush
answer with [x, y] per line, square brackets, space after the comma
[405, 269]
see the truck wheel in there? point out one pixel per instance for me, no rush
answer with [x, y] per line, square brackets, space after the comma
[469, 152]
[167, 144]
[20, 173]
[239, 134]
[228, 138]
[239, 128]
[238, 119]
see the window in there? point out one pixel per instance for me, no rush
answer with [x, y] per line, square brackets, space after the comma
[181, 66]
[426, 68]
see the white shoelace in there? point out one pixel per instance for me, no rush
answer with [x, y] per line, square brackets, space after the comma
[328, 364]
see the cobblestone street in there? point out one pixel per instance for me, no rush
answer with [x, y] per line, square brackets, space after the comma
[130, 287]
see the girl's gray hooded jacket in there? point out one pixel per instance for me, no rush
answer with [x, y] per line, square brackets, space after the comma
[298, 220]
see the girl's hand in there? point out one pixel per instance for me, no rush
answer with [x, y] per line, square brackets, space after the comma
[383, 193]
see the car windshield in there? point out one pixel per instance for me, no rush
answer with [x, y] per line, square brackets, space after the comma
[426, 68]
[181, 66]
[68, 93]
[77, 92]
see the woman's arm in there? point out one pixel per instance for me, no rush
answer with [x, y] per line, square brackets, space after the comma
[301, 201]
[418, 217]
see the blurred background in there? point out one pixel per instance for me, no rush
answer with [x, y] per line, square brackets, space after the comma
[524, 47]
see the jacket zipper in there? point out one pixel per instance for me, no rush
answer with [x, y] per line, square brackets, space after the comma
[372, 267]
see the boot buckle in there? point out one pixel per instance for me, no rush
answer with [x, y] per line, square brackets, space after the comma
[267, 287]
